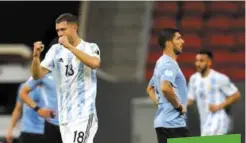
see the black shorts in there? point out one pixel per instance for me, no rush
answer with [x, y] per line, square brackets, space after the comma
[164, 133]
[52, 133]
[31, 138]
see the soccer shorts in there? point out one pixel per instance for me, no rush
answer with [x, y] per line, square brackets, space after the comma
[79, 131]
[164, 133]
[216, 124]
[30, 138]
[52, 133]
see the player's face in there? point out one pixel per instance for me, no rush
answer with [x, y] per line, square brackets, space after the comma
[65, 29]
[202, 63]
[178, 43]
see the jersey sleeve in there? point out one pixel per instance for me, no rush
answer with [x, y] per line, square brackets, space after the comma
[169, 72]
[151, 82]
[191, 93]
[227, 87]
[94, 50]
[18, 99]
[32, 84]
[48, 61]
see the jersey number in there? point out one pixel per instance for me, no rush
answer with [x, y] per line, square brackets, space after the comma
[69, 70]
[78, 137]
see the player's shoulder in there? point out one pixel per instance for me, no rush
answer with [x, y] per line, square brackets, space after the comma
[92, 45]
[220, 76]
[194, 76]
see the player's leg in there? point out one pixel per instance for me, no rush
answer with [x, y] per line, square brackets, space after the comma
[52, 133]
[78, 131]
[163, 134]
[180, 132]
[29, 137]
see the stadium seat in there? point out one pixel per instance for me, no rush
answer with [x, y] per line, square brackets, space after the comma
[166, 8]
[238, 24]
[195, 8]
[229, 58]
[153, 56]
[240, 39]
[191, 24]
[220, 41]
[192, 42]
[218, 24]
[187, 58]
[222, 8]
[163, 22]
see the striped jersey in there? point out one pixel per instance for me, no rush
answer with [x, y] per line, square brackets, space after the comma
[167, 69]
[76, 83]
[212, 89]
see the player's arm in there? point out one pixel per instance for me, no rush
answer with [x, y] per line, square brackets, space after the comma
[231, 99]
[24, 95]
[151, 92]
[92, 60]
[16, 114]
[38, 69]
[191, 94]
[167, 89]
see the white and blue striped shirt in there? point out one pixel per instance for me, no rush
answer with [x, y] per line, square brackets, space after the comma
[76, 83]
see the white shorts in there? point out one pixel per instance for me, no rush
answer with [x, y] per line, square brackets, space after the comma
[216, 124]
[79, 131]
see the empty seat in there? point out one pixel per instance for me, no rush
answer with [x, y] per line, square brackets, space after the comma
[193, 8]
[238, 24]
[223, 7]
[220, 41]
[218, 23]
[192, 41]
[229, 58]
[153, 56]
[240, 39]
[193, 24]
[166, 8]
[163, 22]
[187, 58]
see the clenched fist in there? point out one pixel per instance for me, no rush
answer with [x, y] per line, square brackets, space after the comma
[64, 41]
[38, 47]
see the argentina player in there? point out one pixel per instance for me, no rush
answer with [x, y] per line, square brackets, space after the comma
[74, 63]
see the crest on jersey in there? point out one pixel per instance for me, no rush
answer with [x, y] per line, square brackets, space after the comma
[168, 73]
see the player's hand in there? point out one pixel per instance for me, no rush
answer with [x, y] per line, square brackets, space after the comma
[8, 137]
[214, 107]
[46, 113]
[182, 109]
[38, 47]
[64, 41]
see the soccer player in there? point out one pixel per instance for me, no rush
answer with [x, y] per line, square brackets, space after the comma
[167, 88]
[214, 93]
[48, 89]
[74, 63]
[32, 125]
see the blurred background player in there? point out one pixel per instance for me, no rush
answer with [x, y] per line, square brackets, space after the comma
[214, 93]
[167, 88]
[32, 125]
[74, 64]
[48, 90]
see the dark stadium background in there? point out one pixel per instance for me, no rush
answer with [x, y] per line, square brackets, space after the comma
[126, 35]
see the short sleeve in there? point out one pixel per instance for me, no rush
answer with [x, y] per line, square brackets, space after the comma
[48, 61]
[18, 99]
[32, 84]
[151, 82]
[169, 72]
[191, 94]
[94, 50]
[227, 87]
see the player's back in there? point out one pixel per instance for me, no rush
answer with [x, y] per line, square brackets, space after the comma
[76, 82]
[167, 69]
[31, 122]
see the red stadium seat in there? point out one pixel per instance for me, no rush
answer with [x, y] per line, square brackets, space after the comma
[223, 7]
[192, 41]
[163, 22]
[240, 39]
[218, 23]
[187, 58]
[219, 41]
[193, 7]
[238, 24]
[190, 23]
[166, 8]
[229, 58]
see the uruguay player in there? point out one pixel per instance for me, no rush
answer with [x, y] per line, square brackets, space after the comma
[73, 62]
[48, 89]
[32, 125]
[167, 88]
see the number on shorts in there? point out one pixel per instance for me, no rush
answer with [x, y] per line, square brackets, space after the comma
[79, 137]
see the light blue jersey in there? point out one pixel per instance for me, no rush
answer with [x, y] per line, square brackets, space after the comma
[167, 69]
[31, 122]
[48, 89]
[76, 82]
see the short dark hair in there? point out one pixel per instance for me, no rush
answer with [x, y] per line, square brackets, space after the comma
[166, 34]
[207, 52]
[68, 17]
